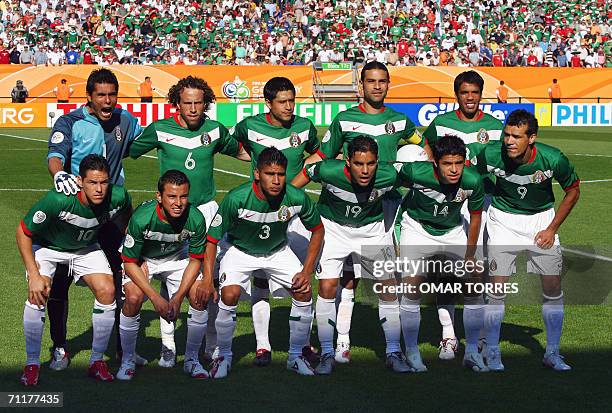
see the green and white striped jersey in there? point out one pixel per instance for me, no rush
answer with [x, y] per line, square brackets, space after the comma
[191, 152]
[150, 235]
[254, 225]
[526, 188]
[65, 223]
[256, 133]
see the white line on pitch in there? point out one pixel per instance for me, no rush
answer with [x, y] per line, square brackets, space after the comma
[590, 154]
[587, 254]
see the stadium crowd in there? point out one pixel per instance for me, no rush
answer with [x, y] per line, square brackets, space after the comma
[559, 33]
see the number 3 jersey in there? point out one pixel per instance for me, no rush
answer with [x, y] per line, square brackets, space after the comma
[256, 226]
[526, 188]
[150, 235]
[189, 151]
[65, 223]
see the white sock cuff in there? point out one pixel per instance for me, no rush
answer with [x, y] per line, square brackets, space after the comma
[197, 316]
[228, 308]
[347, 294]
[129, 323]
[297, 303]
[326, 300]
[34, 306]
[549, 299]
[495, 299]
[105, 307]
[388, 304]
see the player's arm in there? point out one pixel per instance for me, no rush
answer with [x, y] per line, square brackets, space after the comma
[313, 144]
[60, 149]
[222, 221]
[39, 286]
[143, 143]
[309, 215]
[230, 146]
[134, 131]
[189, 277]
[475, 207]
[331, 144]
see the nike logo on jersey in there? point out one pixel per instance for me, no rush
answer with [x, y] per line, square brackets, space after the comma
[170, 139]
[249, 216]
[356, 127]
[260, 139]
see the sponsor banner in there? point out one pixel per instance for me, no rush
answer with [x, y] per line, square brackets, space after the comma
[422, 114]
[321, 114]
[582, 114]
[543, 113]
[337, 66]
[23, 115]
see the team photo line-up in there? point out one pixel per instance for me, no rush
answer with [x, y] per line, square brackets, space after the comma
[387, 191]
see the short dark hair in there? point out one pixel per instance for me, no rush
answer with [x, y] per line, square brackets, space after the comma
[191, 82]
[100, 76]
[64, 80]
[271, 156]
[449, 145]
[172, 176]
[521, 117]
[93, 162]
[469, 76]
[275, 85]
[373, 65]
[501, 82]
[147, 77]
[554, 80]
[362, 144]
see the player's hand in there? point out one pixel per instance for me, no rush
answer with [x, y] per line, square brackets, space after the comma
[162, 307]
[66, 183]
[300, 283]
[203, 291]
[39, 288]
[145, 269]
[174, 307]
[545, 239]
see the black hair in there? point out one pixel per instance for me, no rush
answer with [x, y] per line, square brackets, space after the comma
[362, 144]
[449, 145]
[522, 117]
[64, 80]
[554, 80]
[470, 76]
[275, 85]
[100, 76]
[501, 82]
[373, 65]
[271, 156]
[172, 176]
[191, 82]
[93, 162]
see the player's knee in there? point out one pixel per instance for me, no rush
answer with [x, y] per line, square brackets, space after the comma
[134, 297]
[196, 305]
[105, 292]
[230, 294]
[303, 297]
[328, 288]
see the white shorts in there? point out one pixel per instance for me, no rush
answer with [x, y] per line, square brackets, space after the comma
[363, 244]
[510, 234]
[209, 210]
[90, 260]
[237, 267]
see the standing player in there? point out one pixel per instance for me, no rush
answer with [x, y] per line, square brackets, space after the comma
[388, 128]
[431, 224]
[476, 129]
[255, 217]
[187, 142]
[169, 235]
[352, 213]
[292, 135]
[522, 218]
[61, 229]
[101, 128]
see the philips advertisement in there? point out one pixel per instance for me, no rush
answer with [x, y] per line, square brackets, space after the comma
[582, 114]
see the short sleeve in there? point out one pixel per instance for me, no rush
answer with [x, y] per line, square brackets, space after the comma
[313, 144]
[430, 136]
[309, 215]
[332, 140]
[565, 174]
[133, 242]
[312, 171]
[476, 199]
[197, 242]
[223, 220]
[60, 140]
[227, 145]
[145, 142]
[41, 215]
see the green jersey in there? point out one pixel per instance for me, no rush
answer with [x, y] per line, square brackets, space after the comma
[387, 128]
[437, 206]
[255, 226]
[345, 202]
[256, 133]
[526, 188]
[65, 223]
[150, 235]
[189, 151]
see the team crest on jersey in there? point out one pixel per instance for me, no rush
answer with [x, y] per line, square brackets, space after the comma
[493, 265]
[284, 214]
[216, 221]
[538, 177]
[184, 235]
[39, 217]
[460, 196]
[205, 139]
[373, 195]
[118, 136]
[483, 136]
[222, 278]
[57, 137]
[389, 127]
[295, 140]
[129, 241]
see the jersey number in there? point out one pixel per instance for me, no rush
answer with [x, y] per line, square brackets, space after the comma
[443, 211]
[522, 191]
[352, 210]
[85, 235]
[190, 162]
[265, 232]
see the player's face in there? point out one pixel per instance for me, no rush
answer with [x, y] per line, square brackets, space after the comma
[468, 97]
[517, 142]
[174, 200]
[375, 86]
[271, 179]
[282, 106]
[362, 167]
[94, 185]
[191, 107]
[103, 100]
[450, 168]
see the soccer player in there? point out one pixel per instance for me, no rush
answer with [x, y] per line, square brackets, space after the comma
[101, 128]
[388, 128]
[61, 229]
[170, 235]
[476, 129]
[522, 218]
[255, 217]
[188, 142]
[431, 224]
[352, 213]
[293, 136]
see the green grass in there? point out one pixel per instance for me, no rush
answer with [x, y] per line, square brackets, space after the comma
[364, 385]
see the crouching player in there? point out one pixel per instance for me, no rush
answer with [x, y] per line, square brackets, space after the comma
[255, 217]
[431, 224]
[169, 235]
[62, 229]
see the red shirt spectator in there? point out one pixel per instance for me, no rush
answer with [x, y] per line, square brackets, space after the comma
[87, 58]
[532, 60]
[5, 57]
[498, 60]
[576, 62]
[402, 48]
